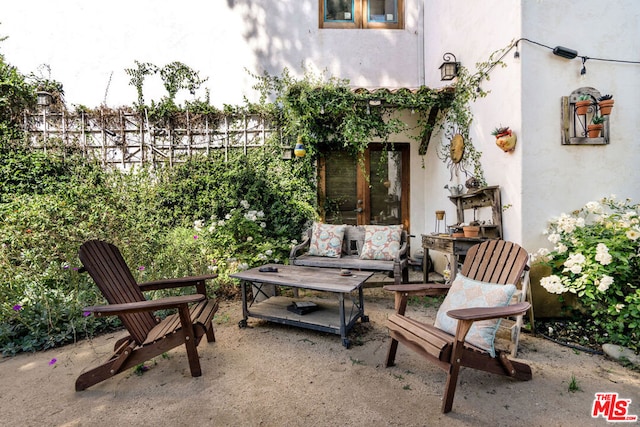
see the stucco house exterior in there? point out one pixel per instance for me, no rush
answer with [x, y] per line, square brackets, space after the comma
[401, 48]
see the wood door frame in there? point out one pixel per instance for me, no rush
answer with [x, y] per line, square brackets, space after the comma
[362, 182]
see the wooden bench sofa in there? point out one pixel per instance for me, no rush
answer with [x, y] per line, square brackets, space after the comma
[353, 243]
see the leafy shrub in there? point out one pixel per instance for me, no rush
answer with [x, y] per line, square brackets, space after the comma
[597, 257]
[201, 216]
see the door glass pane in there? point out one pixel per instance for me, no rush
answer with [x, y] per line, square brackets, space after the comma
[338, 10]
[341, 188]
[386, 187]
[383, 11]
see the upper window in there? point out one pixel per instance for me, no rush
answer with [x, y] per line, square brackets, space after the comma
[362, 14]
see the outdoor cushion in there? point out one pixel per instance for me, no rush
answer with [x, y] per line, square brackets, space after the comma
[326, 240]
[381, 242]
[467, 293]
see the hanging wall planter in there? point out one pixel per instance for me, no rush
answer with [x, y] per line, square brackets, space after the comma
[505, 138]
[595, 128]
[582, 106]
[605, 102]
[299, 150]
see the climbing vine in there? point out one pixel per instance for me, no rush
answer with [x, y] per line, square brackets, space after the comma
[324, 113]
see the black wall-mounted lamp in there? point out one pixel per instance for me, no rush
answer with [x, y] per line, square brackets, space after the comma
[449, 68]
[565, 52]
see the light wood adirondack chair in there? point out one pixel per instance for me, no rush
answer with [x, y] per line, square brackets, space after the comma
[494, 261]
[148, 336]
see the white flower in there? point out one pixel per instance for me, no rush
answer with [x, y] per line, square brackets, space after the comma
[593, 207]
[633, 234]
[262, 257]
[260, 214]
[268, 252]
[221, 223]
[619, 307]
[574, 263]
[553, 284]
[198, 224]
[263, 224]
[554, 238]
[602, 254]
[561, 248]
[244, 204]
[249, 239]
[243, 266]
[227, 216]
[604, 283]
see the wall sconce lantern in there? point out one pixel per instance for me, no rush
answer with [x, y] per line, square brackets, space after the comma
[449, 68]
[44, 98]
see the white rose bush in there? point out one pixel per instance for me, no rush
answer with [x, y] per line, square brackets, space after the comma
[596, 256]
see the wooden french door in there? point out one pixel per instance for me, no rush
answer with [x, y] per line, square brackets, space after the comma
[372, 189]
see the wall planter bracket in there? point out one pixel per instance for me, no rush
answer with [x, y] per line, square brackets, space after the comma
[578, 112]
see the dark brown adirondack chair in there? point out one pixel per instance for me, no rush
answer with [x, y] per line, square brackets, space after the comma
[148, 336]
[494, 261]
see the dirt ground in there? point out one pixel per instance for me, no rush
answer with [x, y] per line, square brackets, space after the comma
[274, 375]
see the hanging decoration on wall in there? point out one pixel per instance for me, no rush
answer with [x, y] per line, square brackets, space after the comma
[299, 150]
[505, 138]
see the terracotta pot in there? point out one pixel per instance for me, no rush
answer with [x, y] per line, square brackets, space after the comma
[506, 141]
[440, 215]
[594, 130]
[605, 107]
[582, 107]
[471, 230]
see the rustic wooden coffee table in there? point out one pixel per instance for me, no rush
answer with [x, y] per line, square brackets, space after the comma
[331, 316]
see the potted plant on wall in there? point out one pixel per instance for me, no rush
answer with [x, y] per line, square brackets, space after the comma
[505, 138]
[594, 129]
[582, 104]
[605, 102]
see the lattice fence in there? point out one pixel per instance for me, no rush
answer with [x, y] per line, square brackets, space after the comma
[124, 139]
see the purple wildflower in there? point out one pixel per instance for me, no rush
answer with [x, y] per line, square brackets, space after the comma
[195, 237]
[65, 267]
[52, 361]
[141, 268]
[86, 313]
[17, 307]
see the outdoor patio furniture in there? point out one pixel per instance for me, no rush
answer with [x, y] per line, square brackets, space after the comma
[148, 336]
[336, 317]
[351, 256]
[490, 272]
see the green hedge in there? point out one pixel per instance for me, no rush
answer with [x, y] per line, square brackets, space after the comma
[199, 216]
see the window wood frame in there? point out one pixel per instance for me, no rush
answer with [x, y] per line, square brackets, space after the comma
[360, 20]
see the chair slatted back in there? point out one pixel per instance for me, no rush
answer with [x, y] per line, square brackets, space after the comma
[495, 261]
[108, 269]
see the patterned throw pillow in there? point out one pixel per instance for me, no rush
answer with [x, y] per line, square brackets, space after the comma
[326, 240]
[465, 293]
[381, 242]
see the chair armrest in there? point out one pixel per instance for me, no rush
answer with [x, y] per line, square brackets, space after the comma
[175, 283]
[484, 313]
[299, 247]
[402, 252]
[420, 289]
[138, 306]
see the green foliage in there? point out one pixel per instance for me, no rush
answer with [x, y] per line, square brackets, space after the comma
[325, 114]
[200, 216]
[597, 258]
[16, 95]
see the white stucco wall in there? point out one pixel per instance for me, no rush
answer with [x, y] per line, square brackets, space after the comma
[87, 43]
[543, 178]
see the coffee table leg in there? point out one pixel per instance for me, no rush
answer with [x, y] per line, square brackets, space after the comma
[245, 312]
[343, 323]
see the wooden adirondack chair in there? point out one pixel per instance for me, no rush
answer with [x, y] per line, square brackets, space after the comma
[494, 261]
[148, 336]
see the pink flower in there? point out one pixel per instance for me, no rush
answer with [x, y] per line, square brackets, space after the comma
[195, 237]
[141, 268]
